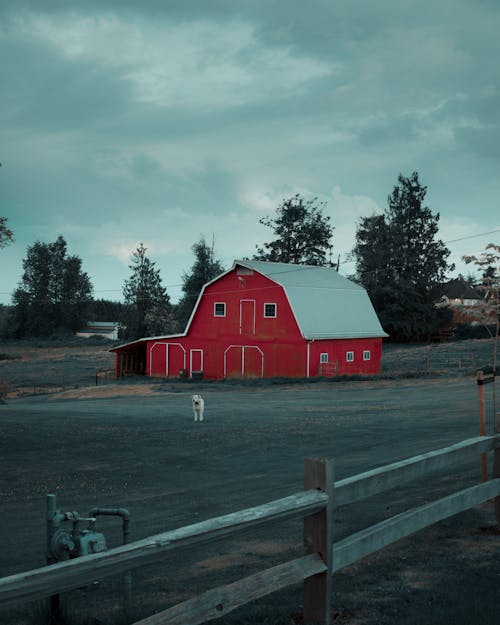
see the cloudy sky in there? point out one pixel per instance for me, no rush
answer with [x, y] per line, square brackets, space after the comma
[161, 121]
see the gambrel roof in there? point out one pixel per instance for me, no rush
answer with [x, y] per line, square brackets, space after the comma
[325, 304]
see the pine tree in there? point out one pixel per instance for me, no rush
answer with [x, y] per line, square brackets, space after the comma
[303, 233]
[204, 269]
[149, 311]
[399, 260]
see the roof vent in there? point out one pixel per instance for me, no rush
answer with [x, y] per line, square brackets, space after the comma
[243, 271]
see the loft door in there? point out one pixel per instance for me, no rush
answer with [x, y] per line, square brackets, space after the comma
[247, 317]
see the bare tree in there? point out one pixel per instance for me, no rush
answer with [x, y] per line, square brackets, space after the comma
[488, 309]
[6, 235]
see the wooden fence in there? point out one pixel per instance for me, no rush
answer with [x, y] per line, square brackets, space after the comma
[104, 375]
[316, 504]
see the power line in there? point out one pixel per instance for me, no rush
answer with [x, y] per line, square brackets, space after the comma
[472, 236]
[302, 267]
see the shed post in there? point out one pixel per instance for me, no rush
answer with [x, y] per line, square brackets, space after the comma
[318, 538]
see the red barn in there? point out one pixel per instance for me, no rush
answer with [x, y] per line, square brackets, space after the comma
[262, 319]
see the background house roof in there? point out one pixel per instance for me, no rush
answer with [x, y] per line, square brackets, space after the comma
[457, 288]
[325, 304]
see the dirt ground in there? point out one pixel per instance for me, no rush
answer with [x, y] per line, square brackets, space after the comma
[136, 446]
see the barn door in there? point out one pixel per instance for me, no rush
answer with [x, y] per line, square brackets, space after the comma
[233, 362]
[243, 361]
[176, 360]
[195, 361]
[252, 362]
[247, 316]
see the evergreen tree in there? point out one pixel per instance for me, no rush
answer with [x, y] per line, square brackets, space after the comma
[303, 233]
[399, 260]
[106, 310]
[204, 269]
[148, 307]
[54, 292]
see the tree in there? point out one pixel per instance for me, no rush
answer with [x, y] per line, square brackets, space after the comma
[204, 269]
[488, 262]
[303, 233]
[53, 294]
[149, 310]
[106, 310]
[399, 261]
[6, 235]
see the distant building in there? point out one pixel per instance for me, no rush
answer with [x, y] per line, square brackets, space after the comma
[262, 319]
[106, 329]
[465, 301]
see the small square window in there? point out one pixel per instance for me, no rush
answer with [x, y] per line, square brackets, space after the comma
[269, 310]
[323, 358]
[219, 309]
[349, 356]
[367, 354]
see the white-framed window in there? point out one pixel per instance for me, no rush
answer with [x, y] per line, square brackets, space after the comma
[323, 358]
[270, 310]
[219, 309]
[349, 356]
[367, 355]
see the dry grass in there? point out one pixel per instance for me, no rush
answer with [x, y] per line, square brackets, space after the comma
[83, 370]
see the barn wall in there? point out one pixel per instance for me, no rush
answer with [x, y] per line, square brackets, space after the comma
[243, 343]
[239, 358]
[236, 358]
[244, 296]
[337, 357]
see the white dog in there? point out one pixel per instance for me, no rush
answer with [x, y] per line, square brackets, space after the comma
[198, 407]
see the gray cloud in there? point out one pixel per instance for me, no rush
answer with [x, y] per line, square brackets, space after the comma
[124, 119]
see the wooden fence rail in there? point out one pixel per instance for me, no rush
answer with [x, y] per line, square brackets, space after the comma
[54, 578]
[323, 557]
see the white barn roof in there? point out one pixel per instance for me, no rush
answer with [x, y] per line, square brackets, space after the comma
[325, 304]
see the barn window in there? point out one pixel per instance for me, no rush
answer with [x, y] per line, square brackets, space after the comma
[349, 356]
[323, 358]
[269, 310]
[367, 354]
[219, 309]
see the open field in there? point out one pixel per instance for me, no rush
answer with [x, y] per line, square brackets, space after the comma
[143, 452]
[33, 368]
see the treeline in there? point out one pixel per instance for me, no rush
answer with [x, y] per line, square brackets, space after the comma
[55, 296]
[398, 258]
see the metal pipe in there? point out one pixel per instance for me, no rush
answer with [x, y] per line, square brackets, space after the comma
[127, 578]
[51, 512]
[121, 512]
[54, 600]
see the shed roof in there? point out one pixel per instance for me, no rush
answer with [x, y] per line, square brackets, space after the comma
[325, 304]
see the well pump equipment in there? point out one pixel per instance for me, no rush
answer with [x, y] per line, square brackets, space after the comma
[63, 542]
[82, 539]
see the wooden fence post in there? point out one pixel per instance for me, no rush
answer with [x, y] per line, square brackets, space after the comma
[318, 538]
[496, 464]
[482, 422]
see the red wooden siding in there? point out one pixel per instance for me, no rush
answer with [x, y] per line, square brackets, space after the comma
[337, 356]
[241, 341]
[244, 297]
